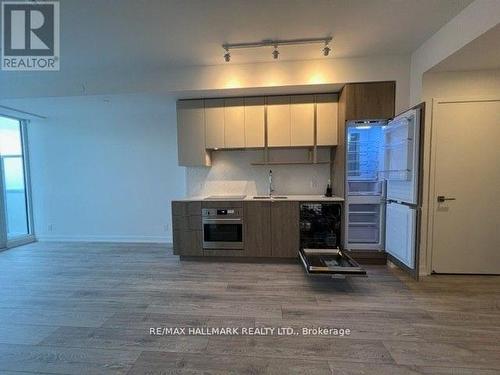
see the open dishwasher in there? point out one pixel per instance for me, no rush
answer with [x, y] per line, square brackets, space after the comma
[320, 252]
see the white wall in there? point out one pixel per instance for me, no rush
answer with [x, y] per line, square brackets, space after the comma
[466, 84]
[232, 173]
[104, 171]
[473, 21]
[199, 81]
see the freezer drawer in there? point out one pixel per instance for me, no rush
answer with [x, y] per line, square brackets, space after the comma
[329, 262]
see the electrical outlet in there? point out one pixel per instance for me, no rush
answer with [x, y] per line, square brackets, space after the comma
[314, 184]
[166, 227]
[49, 227]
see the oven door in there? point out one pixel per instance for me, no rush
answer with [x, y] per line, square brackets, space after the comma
[223, 233]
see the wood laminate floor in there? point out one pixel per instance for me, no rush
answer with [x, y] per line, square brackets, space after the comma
[74, 308]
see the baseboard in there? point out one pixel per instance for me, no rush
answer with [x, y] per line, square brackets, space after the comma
[129, 239]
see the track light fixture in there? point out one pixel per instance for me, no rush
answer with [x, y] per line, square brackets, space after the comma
[227, 55]
[276, 53]
[276, 43]
[326, 49]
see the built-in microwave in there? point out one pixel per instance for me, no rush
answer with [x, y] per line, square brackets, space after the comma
[222, 228]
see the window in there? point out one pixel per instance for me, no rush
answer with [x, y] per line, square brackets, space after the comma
[15, 218]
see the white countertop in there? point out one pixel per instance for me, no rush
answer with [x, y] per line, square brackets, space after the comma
[293, 198]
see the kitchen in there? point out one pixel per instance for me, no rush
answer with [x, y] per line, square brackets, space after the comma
[255, 187]
[313, 132]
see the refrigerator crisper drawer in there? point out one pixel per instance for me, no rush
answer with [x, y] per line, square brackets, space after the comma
[363, 233]
[329, 262]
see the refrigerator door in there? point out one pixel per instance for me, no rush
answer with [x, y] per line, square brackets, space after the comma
[402, 163]
[401, 156]
[400, 233]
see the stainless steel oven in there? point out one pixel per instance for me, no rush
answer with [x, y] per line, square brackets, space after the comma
[222, 228]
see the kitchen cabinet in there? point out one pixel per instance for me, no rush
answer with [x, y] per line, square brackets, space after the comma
[373, 100]
[214, 123]
[257, 224]
[302, 120]
[255, 122]
[284, 229]
[186, 228]
[278, 121]
[191, 133]
[234, 123]
[326, 119]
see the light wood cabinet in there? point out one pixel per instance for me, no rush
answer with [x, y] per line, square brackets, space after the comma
[285, 229]
[302, 120]
[327, 120]
[278, 121]
[234, 123]
[191, 133]
[214, 123]
[255, 122]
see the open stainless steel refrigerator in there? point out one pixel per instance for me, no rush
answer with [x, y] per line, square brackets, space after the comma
[383, 186]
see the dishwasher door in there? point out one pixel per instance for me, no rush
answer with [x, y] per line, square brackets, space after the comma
[329, 262]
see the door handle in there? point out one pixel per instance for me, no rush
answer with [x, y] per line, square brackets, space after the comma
[442, 198]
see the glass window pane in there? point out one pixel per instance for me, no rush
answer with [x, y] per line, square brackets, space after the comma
[14, 192]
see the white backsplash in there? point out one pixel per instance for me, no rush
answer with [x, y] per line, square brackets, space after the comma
[232, 174]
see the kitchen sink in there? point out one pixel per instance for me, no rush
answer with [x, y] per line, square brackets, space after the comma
[270, 198]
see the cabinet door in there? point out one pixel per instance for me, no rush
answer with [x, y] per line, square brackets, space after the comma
[278, 121]
[214, 123]
[302, 120]
[326, 119]
[254, 122]
[186, 228]
[373, 100]
[234, 123]
[285, 229]
[257, 229]
[191, 133]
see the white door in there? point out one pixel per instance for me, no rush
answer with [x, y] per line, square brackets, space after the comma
[466, 219]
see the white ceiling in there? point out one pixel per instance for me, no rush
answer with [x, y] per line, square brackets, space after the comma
[481, 53]
[168, 33]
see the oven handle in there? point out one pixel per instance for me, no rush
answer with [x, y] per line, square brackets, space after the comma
[221, 220]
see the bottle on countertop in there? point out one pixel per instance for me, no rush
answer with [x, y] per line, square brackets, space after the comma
[328, 189]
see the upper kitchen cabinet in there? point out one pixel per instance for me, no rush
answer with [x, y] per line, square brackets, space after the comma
[234, 123]
[278, 121]
[327, 119]
[214, 123]
[373, 100]
[255, 122]
[302, 120]
[191, 133]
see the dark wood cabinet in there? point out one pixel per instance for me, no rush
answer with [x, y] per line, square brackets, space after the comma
[372, 100]
[257, 224]
[186, 228]
[284, 229]
[359, 101]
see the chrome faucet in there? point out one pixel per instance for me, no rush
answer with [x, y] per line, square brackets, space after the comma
[271, 189]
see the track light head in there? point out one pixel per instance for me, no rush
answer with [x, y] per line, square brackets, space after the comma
[326, 49]
[276, 53]
[227, 55]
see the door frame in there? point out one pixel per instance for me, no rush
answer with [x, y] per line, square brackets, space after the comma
[433, 170]
[415, 271]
